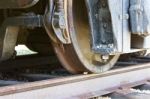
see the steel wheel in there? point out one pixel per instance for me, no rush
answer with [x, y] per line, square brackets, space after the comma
[78, 57]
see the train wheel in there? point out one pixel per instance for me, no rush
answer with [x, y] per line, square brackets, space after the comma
[78, 57]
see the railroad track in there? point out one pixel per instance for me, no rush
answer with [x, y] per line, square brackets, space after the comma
[127, 80]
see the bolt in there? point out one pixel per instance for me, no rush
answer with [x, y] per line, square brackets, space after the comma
[97, 47]
[111, 45]
[104, 5]
[96, 15]
[105, 25]
[85, 73]
[105, 58]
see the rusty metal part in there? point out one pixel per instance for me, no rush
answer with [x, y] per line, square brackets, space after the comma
[68, 58]
[15, 4]
[80, 36]
[85, 86]
[55, 19]
[77, 57]
[59, 22]
[9, 32]
[8, 39]
[48, 21]
[65, 53]
[38, 77]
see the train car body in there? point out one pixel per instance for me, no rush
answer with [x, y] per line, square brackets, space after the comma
[86, 35]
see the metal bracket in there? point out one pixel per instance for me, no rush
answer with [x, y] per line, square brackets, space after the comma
[9, 32]
[101, 27]
[29, 20]
[59, 22]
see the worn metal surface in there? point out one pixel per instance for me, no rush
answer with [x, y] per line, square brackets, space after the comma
[112, 26]
[29, 20]
[139, 15]
[102, 36]
[79, 87]
[9, 32]
[109, 26]
[56, 19]
[78, 57]
[8, 39]
[79, 28]
[13, 4]
[59, 22]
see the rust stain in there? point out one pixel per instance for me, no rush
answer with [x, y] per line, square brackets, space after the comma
[24, 2]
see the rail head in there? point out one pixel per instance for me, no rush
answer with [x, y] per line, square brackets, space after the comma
[78, 86]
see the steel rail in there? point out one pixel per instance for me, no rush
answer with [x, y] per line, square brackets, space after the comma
[82, 86]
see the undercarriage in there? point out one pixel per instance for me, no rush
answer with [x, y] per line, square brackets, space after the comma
[86, 35]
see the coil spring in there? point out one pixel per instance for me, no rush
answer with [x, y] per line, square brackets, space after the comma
[60, 6]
